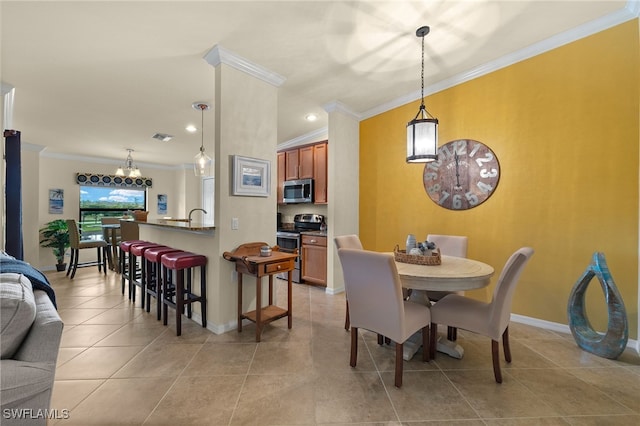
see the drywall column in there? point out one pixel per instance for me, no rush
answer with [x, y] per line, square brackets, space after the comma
[246, 105]
[343, 185]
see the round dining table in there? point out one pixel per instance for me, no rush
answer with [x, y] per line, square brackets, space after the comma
[453, 274]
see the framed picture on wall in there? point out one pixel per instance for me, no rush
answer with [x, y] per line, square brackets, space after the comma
[162, 203]
[251, 177]
[56, 201]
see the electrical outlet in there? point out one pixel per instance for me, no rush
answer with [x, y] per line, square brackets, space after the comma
[235, 223]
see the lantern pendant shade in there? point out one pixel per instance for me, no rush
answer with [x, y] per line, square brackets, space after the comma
[422, 133]
[422, 140]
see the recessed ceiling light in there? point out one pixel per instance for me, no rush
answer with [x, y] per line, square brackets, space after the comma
[311, 117]
[191, 128]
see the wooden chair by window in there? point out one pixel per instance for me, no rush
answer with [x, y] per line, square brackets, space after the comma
[449, 245]
[77, 244]
[112, 237]
[129, 230]
[376, 303]
[488, 319]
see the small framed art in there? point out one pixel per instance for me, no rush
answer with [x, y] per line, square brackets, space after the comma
[251, 177]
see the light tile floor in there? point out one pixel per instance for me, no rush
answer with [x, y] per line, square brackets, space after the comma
[118, 365]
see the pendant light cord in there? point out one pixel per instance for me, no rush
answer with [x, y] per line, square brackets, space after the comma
[422, 32]
[202, 107]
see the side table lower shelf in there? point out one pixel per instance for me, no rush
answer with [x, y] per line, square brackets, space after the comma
[267, 314]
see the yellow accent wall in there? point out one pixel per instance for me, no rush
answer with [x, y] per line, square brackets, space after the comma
[565, 128]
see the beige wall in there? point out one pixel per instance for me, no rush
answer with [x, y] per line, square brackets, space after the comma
[240, 130]
[52, 173]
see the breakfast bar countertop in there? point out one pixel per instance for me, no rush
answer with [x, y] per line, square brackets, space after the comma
[180, 225]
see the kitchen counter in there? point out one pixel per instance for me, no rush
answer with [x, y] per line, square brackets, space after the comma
[180, 225]
[316, 233]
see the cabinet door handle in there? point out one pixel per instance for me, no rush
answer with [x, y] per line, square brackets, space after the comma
[313, 241]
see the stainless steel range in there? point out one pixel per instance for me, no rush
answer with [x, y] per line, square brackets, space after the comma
[288, 239]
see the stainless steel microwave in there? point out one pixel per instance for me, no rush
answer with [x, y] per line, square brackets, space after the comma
[298, 191]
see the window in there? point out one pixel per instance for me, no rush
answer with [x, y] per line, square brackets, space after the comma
[97, 202]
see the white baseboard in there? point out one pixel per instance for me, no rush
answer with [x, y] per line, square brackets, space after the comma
[561, 328]
[333, 291]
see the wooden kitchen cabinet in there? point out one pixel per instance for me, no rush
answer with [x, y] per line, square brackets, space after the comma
[281, 177]
[302, 163]
[299, 163]
[320, 173]
[314, 259]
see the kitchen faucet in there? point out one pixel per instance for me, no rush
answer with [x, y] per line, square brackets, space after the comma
[193, 210]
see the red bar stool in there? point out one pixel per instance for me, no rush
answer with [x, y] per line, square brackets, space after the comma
[125, 249]
[179, 262]
[135, 278]
[153, 268]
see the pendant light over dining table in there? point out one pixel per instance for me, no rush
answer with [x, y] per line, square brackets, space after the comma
[422, 133]
[202, 162]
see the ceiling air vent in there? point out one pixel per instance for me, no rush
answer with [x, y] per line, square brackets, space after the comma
[162, 137]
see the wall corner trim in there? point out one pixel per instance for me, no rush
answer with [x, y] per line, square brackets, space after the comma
[219, 55]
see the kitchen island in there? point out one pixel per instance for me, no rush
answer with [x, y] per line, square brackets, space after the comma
[181, 225]
[200, 239]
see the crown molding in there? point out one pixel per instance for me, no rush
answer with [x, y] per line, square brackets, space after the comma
[88, 159]
[32, 147]
[633, 6]
[219, 55]
[314, 136]
[337, 106]
[6, 88]
[630, 11]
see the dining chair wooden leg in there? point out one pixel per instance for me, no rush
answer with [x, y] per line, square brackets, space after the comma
[433, 341]
[399, 365]
[426, 351]
[70, 262]
[347, 321]
[354, 347]
[495, 353]
[505, 345]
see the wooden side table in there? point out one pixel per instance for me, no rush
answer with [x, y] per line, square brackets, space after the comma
[248, 261]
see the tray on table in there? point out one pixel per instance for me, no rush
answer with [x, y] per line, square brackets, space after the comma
[402, 256]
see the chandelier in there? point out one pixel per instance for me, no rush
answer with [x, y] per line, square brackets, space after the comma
[129, 169]
[422, 133]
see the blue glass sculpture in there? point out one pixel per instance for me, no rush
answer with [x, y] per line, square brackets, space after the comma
[613, 342]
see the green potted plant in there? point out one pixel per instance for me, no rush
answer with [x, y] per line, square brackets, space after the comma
[55, 234]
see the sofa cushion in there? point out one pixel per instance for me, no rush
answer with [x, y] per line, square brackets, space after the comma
[17, 312]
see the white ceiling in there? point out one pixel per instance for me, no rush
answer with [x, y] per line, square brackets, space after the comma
[93, 78]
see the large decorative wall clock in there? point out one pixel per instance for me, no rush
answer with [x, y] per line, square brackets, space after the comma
[464, 176]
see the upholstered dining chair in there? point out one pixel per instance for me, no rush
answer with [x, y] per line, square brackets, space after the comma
[449, 245]
[77, 244]
[352, 242]
[376, 303]
[488, 319]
